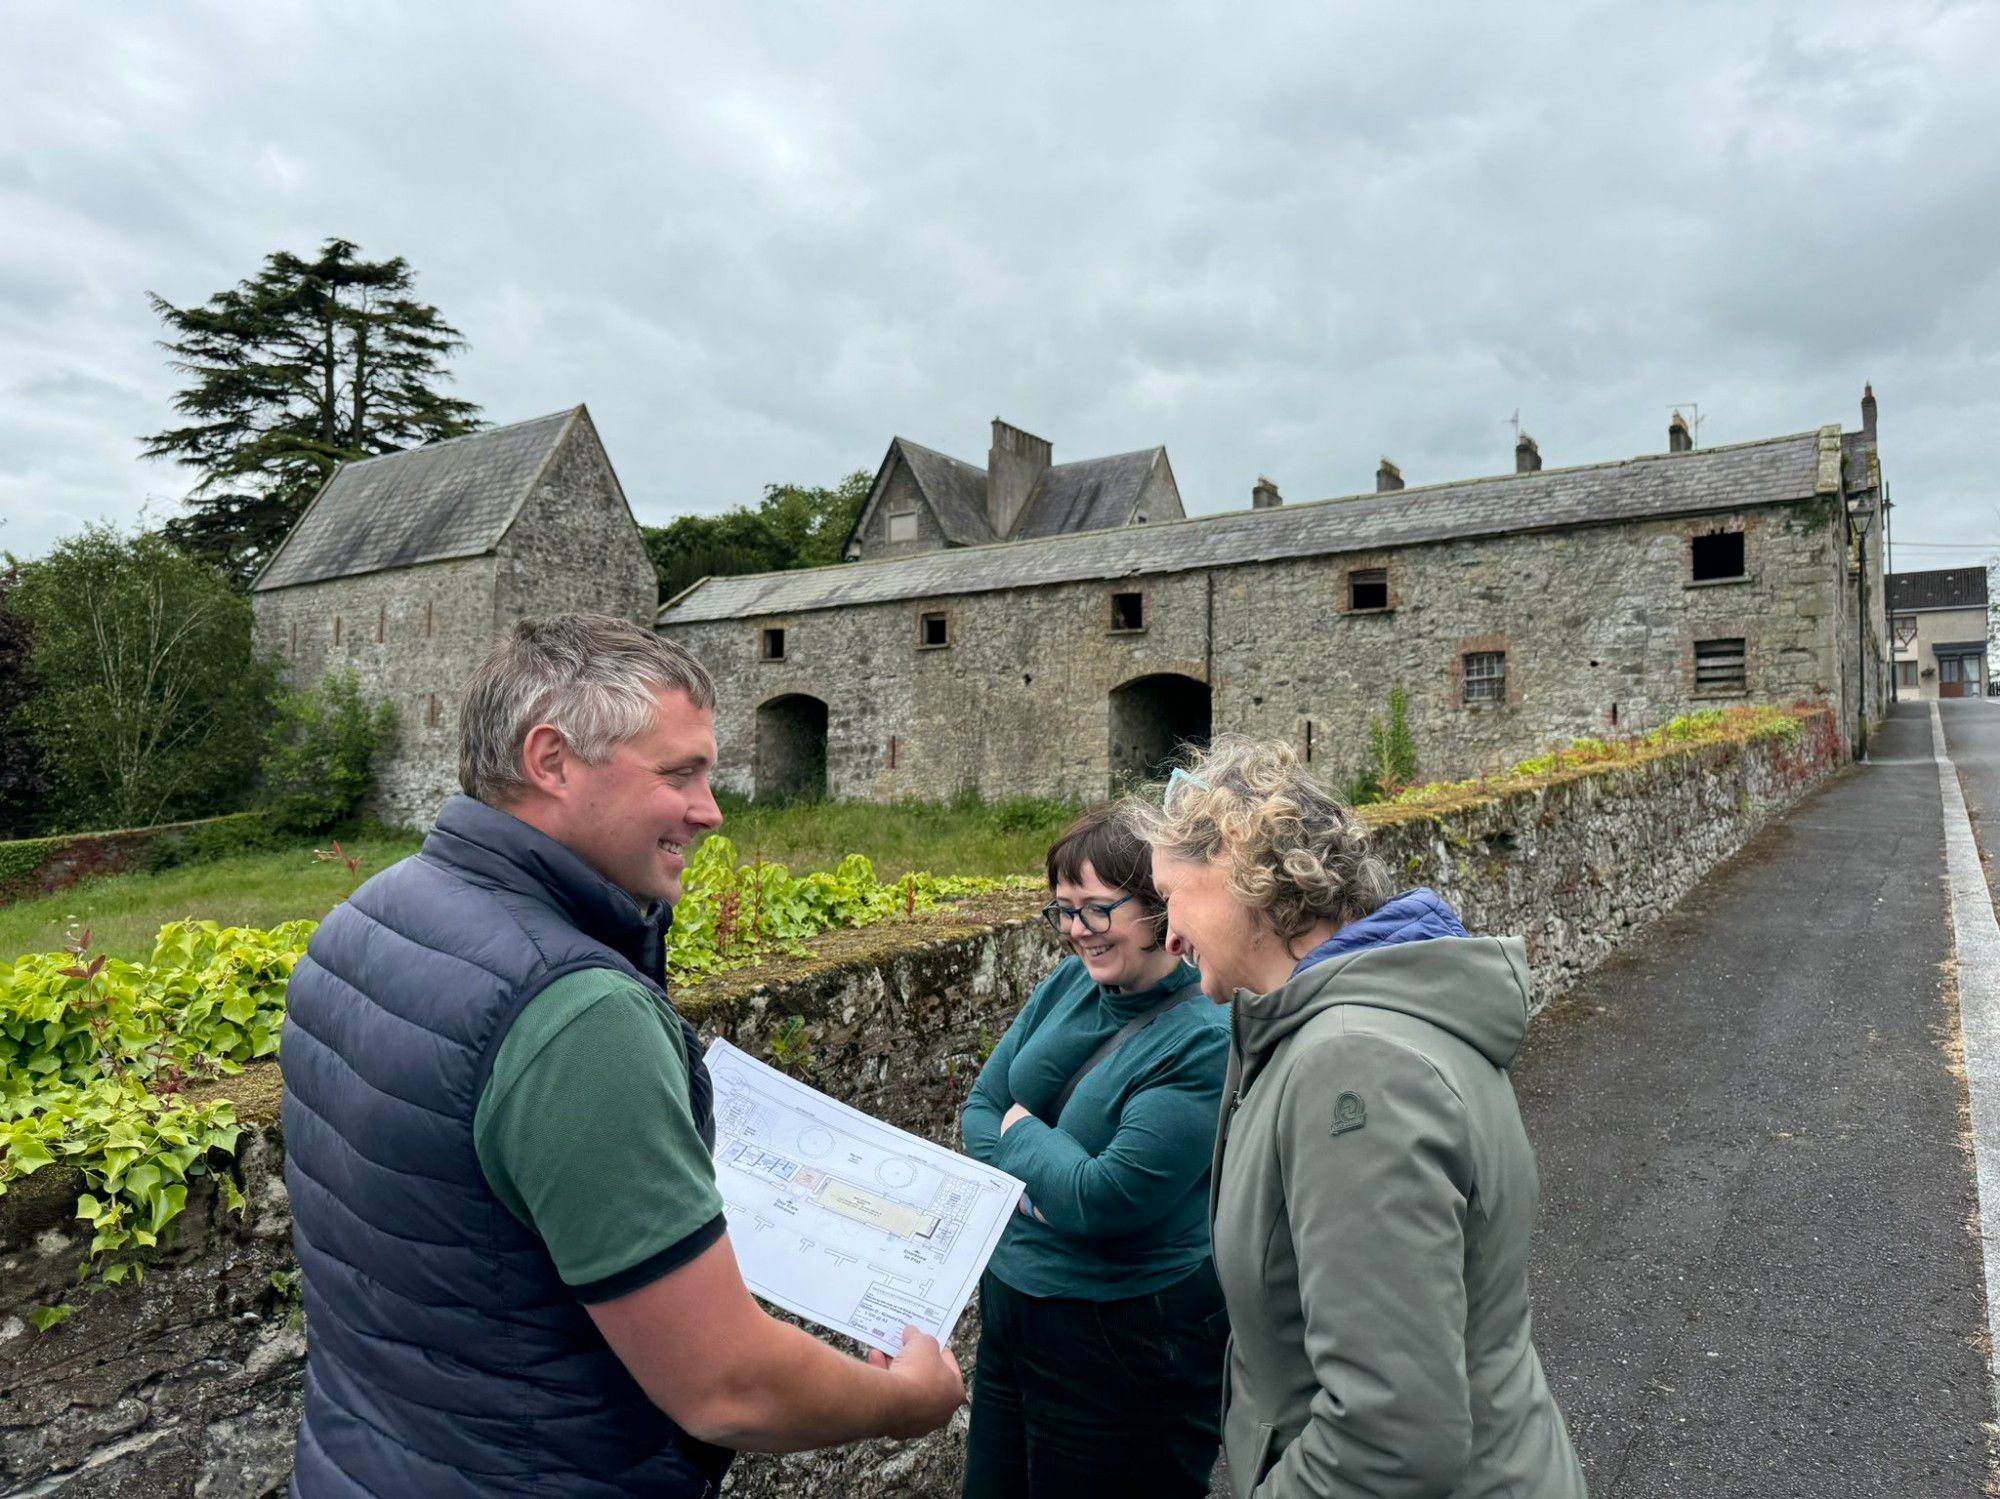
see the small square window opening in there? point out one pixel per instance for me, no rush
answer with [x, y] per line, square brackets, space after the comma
[1128, 611]
[1368, 588]
[1717, 557]
[771, 644]
[903, 527]
[933, 631]
[1720, 667]
[1485, 676]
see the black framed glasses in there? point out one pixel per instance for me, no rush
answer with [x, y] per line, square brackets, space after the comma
[1096, 917]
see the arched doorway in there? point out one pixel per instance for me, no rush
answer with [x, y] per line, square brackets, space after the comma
[1152, 720]
[791, 749]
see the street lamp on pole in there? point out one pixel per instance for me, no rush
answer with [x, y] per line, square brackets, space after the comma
[1858, 518]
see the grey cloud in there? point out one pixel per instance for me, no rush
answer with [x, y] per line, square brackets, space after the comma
[761, 240]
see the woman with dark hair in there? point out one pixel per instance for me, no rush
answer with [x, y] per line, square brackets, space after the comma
[1099, 1368]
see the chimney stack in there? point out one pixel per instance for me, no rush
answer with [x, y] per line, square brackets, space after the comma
[1014, 464]
[1868, 411]
[1527, 455]
[1264, 495]
[1679, 438]
[1388, 477]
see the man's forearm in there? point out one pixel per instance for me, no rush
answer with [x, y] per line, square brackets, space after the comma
[730, 1373]
[793, 1392]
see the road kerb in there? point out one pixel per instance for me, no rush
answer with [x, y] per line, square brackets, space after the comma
[1976, 944]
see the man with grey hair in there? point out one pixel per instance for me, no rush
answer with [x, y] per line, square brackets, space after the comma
[517, 1273]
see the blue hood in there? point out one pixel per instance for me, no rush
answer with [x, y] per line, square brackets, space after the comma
[1414, 916]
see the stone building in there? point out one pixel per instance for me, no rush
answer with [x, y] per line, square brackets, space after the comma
[406, 568]
[1517, 611]
[1937, 627]
[924, 501]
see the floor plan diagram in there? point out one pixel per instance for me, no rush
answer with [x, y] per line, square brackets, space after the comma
[853, 1223]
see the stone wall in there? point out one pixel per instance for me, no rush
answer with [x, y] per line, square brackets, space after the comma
[191, 1384]
[411, 636]
[901, 497]
[575, 546]
[1598, 625]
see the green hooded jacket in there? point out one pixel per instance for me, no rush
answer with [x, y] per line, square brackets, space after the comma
[1372, 1200]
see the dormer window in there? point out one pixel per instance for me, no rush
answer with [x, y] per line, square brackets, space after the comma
[903, 527]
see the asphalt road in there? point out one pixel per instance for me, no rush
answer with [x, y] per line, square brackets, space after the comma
[1972, 738]
[1758, 1273]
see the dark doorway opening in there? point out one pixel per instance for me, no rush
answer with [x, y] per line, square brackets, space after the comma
[791, 749]
[1153, 721]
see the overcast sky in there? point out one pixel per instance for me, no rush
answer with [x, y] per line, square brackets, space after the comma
[760, 240]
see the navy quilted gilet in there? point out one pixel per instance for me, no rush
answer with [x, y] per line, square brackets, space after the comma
[444, 1354]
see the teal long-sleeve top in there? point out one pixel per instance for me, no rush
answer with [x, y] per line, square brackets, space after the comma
[1121, 1175]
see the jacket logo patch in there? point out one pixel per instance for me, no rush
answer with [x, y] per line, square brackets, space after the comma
[1348, 1113]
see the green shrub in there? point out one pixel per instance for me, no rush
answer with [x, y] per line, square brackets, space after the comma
[320, 758]
[216, 839]
[1031, 814]
[1390, 759]
[95, 1054]
[734, 913]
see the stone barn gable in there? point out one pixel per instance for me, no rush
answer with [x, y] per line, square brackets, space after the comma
[405, 568]
[923, 500]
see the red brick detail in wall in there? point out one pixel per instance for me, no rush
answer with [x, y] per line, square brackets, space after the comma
[1466, 647]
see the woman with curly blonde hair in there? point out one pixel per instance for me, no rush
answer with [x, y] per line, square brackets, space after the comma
[1373, 1191]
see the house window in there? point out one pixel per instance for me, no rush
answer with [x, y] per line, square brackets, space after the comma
[771, 644]
[429, 627]
[1906, 673]
[1128, 611]
[433, 714]
[1368, 588]
[1485, 676]
[381, 623]
[903, 527]
[295, 637]
[1717, 557]
[1719, 667]
[336, 629]
[933, 631]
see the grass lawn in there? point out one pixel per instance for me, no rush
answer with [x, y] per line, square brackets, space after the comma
[124, 911]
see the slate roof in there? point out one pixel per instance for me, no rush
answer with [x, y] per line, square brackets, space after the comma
[1941, 588]
[1721, 478]
[956, 491]
[1092, 494]
[450, 499]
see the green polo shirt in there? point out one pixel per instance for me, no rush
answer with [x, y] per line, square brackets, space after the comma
[586, 1134]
